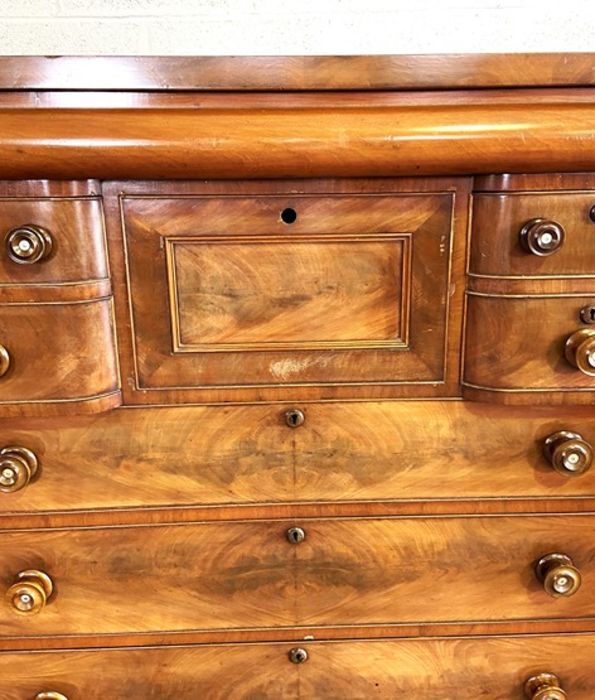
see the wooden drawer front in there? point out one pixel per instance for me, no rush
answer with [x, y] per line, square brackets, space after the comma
[225, 294]
[59, 354]
[345, 572]
[465, 669]
[76, 228]
[343, 452]
[528, 364]
[496, 248]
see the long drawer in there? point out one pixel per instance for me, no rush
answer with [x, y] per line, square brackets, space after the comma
[266, 574]
[465, 669]
[342, 452]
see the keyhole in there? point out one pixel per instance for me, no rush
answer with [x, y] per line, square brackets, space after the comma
[294, 417]
[295, 535]
[288, 215]
[588, 314]
[298, 656]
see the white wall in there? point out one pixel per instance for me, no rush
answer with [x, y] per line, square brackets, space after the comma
[222, 27]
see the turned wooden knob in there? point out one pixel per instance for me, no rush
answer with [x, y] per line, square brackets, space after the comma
[4, 360]
[580, 350]
[568, 453]
[544, 686]
[542, 237]
[18, 466]
[559, 576]
[50, 695]
[28, 244]
[30, 593]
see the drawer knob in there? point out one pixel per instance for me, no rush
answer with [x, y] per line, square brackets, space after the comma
[559, 576]
[294, 417]
[542, 237]
[30, 593]
[568, 453]
[18, 466]
[295, 535]
[298, 655]
[4, 361]
[579, 350]
[50, 695]
[544, 686]
[28, 244]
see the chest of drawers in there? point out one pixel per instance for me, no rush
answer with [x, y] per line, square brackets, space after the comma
[297, 373]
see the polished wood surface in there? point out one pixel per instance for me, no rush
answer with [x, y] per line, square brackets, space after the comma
[354, 291]
[242, 575]
[419, 454]
[503, 256]
[282, 143]
[509, 367]
[50, 366]
[173, 237]
[463, 668]
[76, 225]
[426, 669]
[245, 73]
[289, 245]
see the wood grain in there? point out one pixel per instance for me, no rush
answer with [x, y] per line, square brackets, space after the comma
[52, 368]
[462, 668]
[268, 347]
[497, 219]
[509, 367]
[76, 226]
[283, 143]
[223, 576]
[424, 454]
[246, 73]
[167, 525]
[303, 294]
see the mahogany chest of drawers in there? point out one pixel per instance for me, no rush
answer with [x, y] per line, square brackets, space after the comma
[297, 367]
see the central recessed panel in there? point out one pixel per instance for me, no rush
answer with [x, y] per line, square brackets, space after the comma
[309, 293]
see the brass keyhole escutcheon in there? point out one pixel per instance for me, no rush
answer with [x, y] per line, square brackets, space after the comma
[294, 417]
[298, 655]
[295, 535]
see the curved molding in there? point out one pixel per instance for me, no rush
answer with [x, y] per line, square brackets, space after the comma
[280, 142]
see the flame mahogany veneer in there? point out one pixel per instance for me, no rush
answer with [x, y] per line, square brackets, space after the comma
[297, 360]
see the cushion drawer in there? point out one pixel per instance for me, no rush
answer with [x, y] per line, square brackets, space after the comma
[224, 294]
[496, 246]
[60, 355]
[532, 363]
[494, 668]
[343, 452]
[219, 576]
[75, 226]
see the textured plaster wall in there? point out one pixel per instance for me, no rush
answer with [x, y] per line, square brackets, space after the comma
[223, 27]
